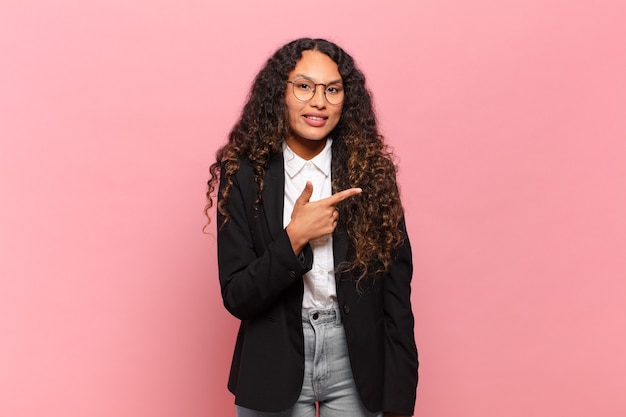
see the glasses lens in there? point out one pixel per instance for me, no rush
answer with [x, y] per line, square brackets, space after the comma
[303, 89]
[334, 93]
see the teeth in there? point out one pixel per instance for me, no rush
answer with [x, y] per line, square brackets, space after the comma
[315, 117]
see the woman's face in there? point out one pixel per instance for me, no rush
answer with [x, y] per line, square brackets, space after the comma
[310, 122]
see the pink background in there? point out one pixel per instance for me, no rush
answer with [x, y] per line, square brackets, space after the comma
[509, 121]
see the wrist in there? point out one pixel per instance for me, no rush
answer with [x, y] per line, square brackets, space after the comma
[297, 241]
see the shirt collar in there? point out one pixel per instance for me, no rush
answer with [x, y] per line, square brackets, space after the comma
[294, 164]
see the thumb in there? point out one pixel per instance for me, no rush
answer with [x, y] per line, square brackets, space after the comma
[305, 195]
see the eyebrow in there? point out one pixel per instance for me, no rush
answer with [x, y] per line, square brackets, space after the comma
[339, 81]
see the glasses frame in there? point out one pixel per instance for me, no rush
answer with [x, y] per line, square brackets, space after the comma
[293, 90]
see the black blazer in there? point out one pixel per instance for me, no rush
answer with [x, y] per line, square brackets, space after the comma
[261, 283]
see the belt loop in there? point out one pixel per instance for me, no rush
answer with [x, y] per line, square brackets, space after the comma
[338, 316]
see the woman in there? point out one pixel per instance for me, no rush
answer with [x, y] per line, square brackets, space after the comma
[313, 253]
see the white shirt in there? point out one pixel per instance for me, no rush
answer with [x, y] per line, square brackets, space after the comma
[319, 283]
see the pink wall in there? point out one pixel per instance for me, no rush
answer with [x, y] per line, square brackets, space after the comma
[508, 118]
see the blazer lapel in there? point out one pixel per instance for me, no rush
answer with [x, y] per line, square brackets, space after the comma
[274, 194]
[340, 246]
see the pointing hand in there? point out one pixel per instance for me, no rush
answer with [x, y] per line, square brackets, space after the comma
[310, 220]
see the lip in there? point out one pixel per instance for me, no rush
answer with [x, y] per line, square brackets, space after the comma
[315, 119]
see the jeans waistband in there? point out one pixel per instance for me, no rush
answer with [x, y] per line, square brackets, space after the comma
[321, 316]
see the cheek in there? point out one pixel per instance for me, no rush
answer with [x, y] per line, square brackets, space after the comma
[291, 113]
[337, 115]
[291, 107]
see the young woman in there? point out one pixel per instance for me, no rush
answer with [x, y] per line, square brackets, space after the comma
[313, 253]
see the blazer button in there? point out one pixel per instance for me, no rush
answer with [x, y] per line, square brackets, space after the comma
[346, 309]
[292, 273]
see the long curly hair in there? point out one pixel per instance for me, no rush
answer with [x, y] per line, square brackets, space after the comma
[360, 157]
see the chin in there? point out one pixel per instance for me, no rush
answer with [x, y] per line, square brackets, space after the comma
[316, 136]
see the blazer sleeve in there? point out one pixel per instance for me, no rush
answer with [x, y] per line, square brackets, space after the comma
[401, 363]
[254, 269]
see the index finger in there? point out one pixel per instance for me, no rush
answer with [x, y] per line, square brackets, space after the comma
[342, 195]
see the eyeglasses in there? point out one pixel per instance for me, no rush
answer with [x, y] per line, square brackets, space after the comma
[304, 90]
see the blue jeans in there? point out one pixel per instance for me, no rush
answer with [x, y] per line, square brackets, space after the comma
[328, 377]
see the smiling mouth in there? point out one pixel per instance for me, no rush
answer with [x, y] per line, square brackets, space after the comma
[316, 117]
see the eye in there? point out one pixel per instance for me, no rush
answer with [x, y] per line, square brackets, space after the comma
[303, 85]
[334, 89]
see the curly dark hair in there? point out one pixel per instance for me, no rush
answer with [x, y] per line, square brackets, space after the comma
[360, 157]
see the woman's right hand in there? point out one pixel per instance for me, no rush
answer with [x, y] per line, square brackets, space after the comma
[310, 220]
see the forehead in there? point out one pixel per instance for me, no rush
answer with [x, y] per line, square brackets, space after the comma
[317, 66]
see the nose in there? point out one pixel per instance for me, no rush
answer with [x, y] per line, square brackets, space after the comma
[319, 100]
